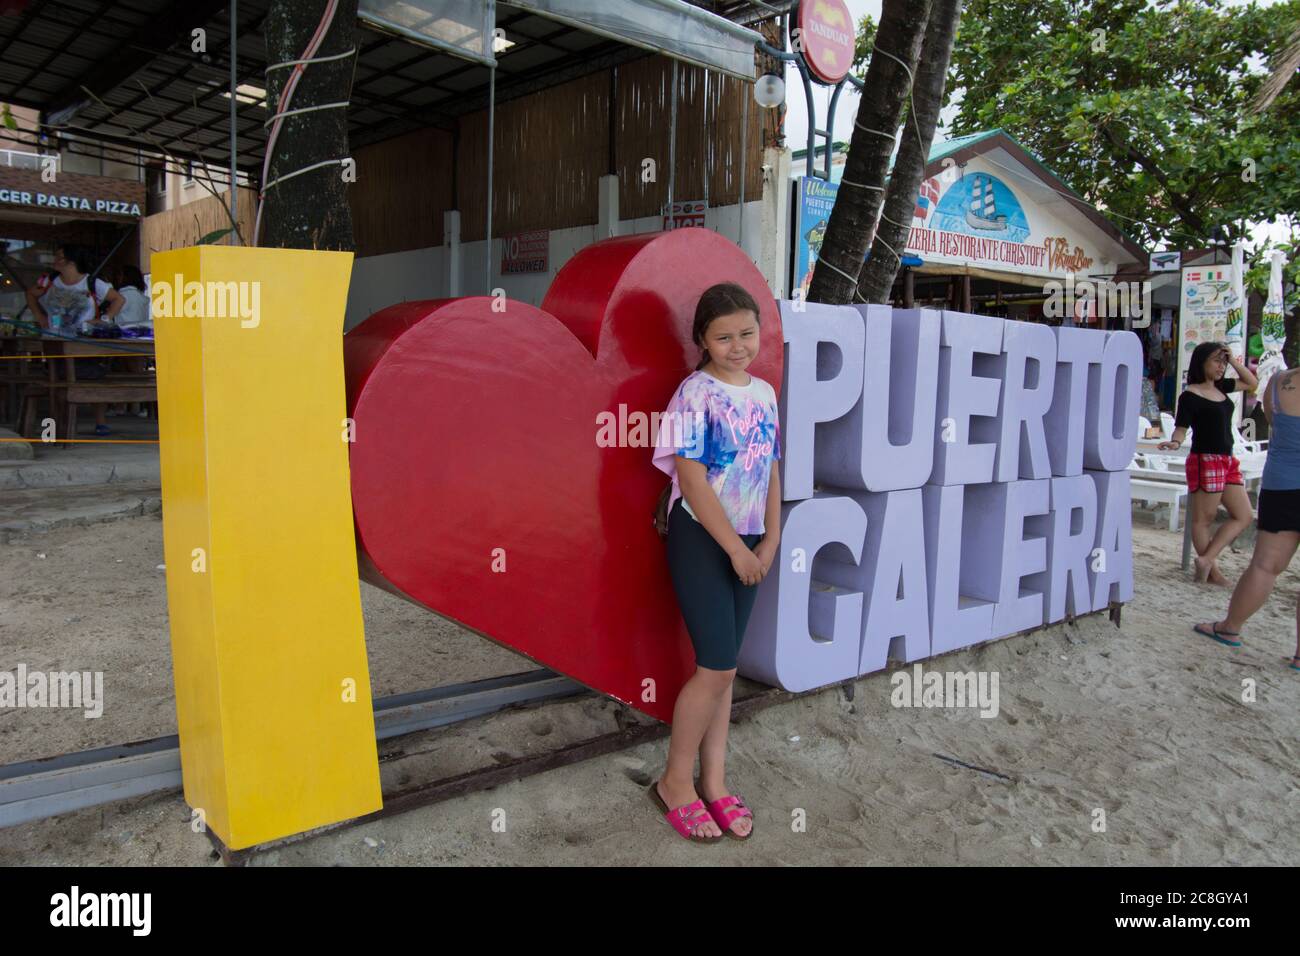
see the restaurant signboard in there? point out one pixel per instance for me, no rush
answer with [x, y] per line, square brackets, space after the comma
[71, 194]
[1203, 315]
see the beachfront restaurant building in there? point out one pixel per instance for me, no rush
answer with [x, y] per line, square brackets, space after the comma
[56, 190]
[579, 119]
[992, 228]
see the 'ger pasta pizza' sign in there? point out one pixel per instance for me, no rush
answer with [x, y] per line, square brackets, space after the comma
[948, 479]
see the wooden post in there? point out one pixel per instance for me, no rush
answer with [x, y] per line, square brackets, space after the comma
[908, 289]
[965, 293]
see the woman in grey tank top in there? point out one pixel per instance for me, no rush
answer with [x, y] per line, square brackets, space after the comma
[1279, 516]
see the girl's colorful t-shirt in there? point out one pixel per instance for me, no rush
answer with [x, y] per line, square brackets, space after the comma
[735, 432]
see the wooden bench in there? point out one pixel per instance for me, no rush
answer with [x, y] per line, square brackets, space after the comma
[16, 391]
[101, 392]
[1155, 489]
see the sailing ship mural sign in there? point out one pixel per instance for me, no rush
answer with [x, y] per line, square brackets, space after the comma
[978, 218]
[981, 211]
[974, 219]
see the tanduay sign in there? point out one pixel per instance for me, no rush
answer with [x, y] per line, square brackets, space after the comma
[948, 478]
[826, 37]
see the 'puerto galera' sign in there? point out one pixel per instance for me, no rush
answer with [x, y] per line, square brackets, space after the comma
[948, 479]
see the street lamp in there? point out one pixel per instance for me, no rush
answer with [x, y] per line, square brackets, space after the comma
[769, 90]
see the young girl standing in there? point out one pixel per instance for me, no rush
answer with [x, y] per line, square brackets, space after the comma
[1213, 474]
[724, 527]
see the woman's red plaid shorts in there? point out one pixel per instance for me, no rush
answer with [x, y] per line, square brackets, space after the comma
[1211, 472]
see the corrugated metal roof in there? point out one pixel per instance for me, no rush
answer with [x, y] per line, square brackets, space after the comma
[169, 98]
[940, 150]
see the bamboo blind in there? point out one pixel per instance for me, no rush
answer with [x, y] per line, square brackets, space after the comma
[185, 225]
[403, 187]
[708, 137]
[549, 152]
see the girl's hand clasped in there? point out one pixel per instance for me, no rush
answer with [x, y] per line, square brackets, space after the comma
[765, 551]
[747, 566]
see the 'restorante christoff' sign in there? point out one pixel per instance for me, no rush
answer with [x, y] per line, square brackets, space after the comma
[948, 479]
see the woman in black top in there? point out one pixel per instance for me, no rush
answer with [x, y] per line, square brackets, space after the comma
[1213, 474]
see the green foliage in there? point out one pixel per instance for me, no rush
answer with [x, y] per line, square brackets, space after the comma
[7, 117]
[213, 237]
[1256, 277]
[1142, 107]
[862, 48]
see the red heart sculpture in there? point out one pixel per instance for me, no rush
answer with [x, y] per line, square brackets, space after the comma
[476, 431]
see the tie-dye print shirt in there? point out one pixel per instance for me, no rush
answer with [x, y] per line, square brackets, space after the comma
[731, 429]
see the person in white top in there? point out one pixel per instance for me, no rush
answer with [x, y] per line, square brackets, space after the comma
[66, 304]
[135, 313]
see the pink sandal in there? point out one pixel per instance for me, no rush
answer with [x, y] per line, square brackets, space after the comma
[685, 819]
[726, 810]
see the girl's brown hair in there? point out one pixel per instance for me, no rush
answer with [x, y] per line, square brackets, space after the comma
[721, 299]
[1196, 364]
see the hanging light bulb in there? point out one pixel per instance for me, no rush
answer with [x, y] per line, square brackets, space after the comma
[769, 90]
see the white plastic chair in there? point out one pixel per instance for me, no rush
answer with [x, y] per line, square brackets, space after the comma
[1248, 446]
[1144, 426]
[1252, 461]
[1167, 425]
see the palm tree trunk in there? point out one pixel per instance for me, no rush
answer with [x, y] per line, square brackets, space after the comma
[877, 277]
[1286, 68]
[309, 211]
[857, 205]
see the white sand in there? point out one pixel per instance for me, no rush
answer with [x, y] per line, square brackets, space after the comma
[1146, 723]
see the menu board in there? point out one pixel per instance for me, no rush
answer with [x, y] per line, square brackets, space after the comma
[1203, 313]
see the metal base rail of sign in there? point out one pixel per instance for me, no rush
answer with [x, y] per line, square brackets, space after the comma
[631, 733]
[36, 789]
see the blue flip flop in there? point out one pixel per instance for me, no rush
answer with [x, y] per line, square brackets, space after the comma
[1295, 663]
[1215, 635]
